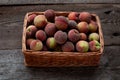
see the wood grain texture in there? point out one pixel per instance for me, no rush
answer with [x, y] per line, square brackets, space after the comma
[11, 21]
[21, 2]
[12, 68]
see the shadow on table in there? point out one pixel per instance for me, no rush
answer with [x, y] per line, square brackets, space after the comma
[69, 73]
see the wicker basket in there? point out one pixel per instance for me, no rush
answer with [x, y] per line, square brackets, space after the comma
[60, 59]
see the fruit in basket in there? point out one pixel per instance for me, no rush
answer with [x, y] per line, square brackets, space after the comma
[73, 35]
[30, 31]
[58, 48]
[83, 36]
[44, 48]
[94, 45]
[85, 16]
[60, 37]
[50, 29]
[36, 45]
[50, 15]
[93, 36]
[41, 35]
[40, 21]
[82, 27]
[28, 41]
[61, 22]
[82, 46]
[51, 43]
[61, 33]
[31, 18]
[73, 16]
[92, 26]
[72, 24]
[68, 47]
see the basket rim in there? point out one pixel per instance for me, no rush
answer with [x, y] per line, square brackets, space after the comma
[64, 13]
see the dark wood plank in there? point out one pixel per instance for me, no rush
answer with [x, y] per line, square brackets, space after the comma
[16, 2]
[12, 68]
[11, 21]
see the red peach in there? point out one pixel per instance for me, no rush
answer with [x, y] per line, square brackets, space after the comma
[30, 31]
[94, 45]
[60, 37]
[73, 16]
[36, 45]
[68, 47]
[61, 23]
[72, 24]
[45, 48]
[31, 18]
[28, 41]
[83, 36]
[73, 35]
[41, 35]
[50, 29]
[50, 15]
[85, 16]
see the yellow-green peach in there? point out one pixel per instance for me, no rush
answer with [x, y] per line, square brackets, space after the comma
[40, 21]
[82, 27]
[82, 46]
[51, 43]
[94, 36]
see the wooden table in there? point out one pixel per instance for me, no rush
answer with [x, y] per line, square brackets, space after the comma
[11, 24]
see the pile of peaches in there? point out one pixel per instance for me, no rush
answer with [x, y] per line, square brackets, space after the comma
[76, 32]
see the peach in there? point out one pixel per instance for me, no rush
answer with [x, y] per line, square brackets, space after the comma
[82, 46]
[45, 48]
[51, 43]
[72, 24]
[61, 23]
[58, 48]
[92, 26]
[41, 35]
[68, 47]
[50, 15]
[83, 36]
[60, 37]
[73, 16]
[40, 21]
[94, 36]
[73, 35]
[50, 29]
[31, 18]
[94, 45]
[30, 31]
[28, 41]
[36, 45]
[85, 16]
[82, 27]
